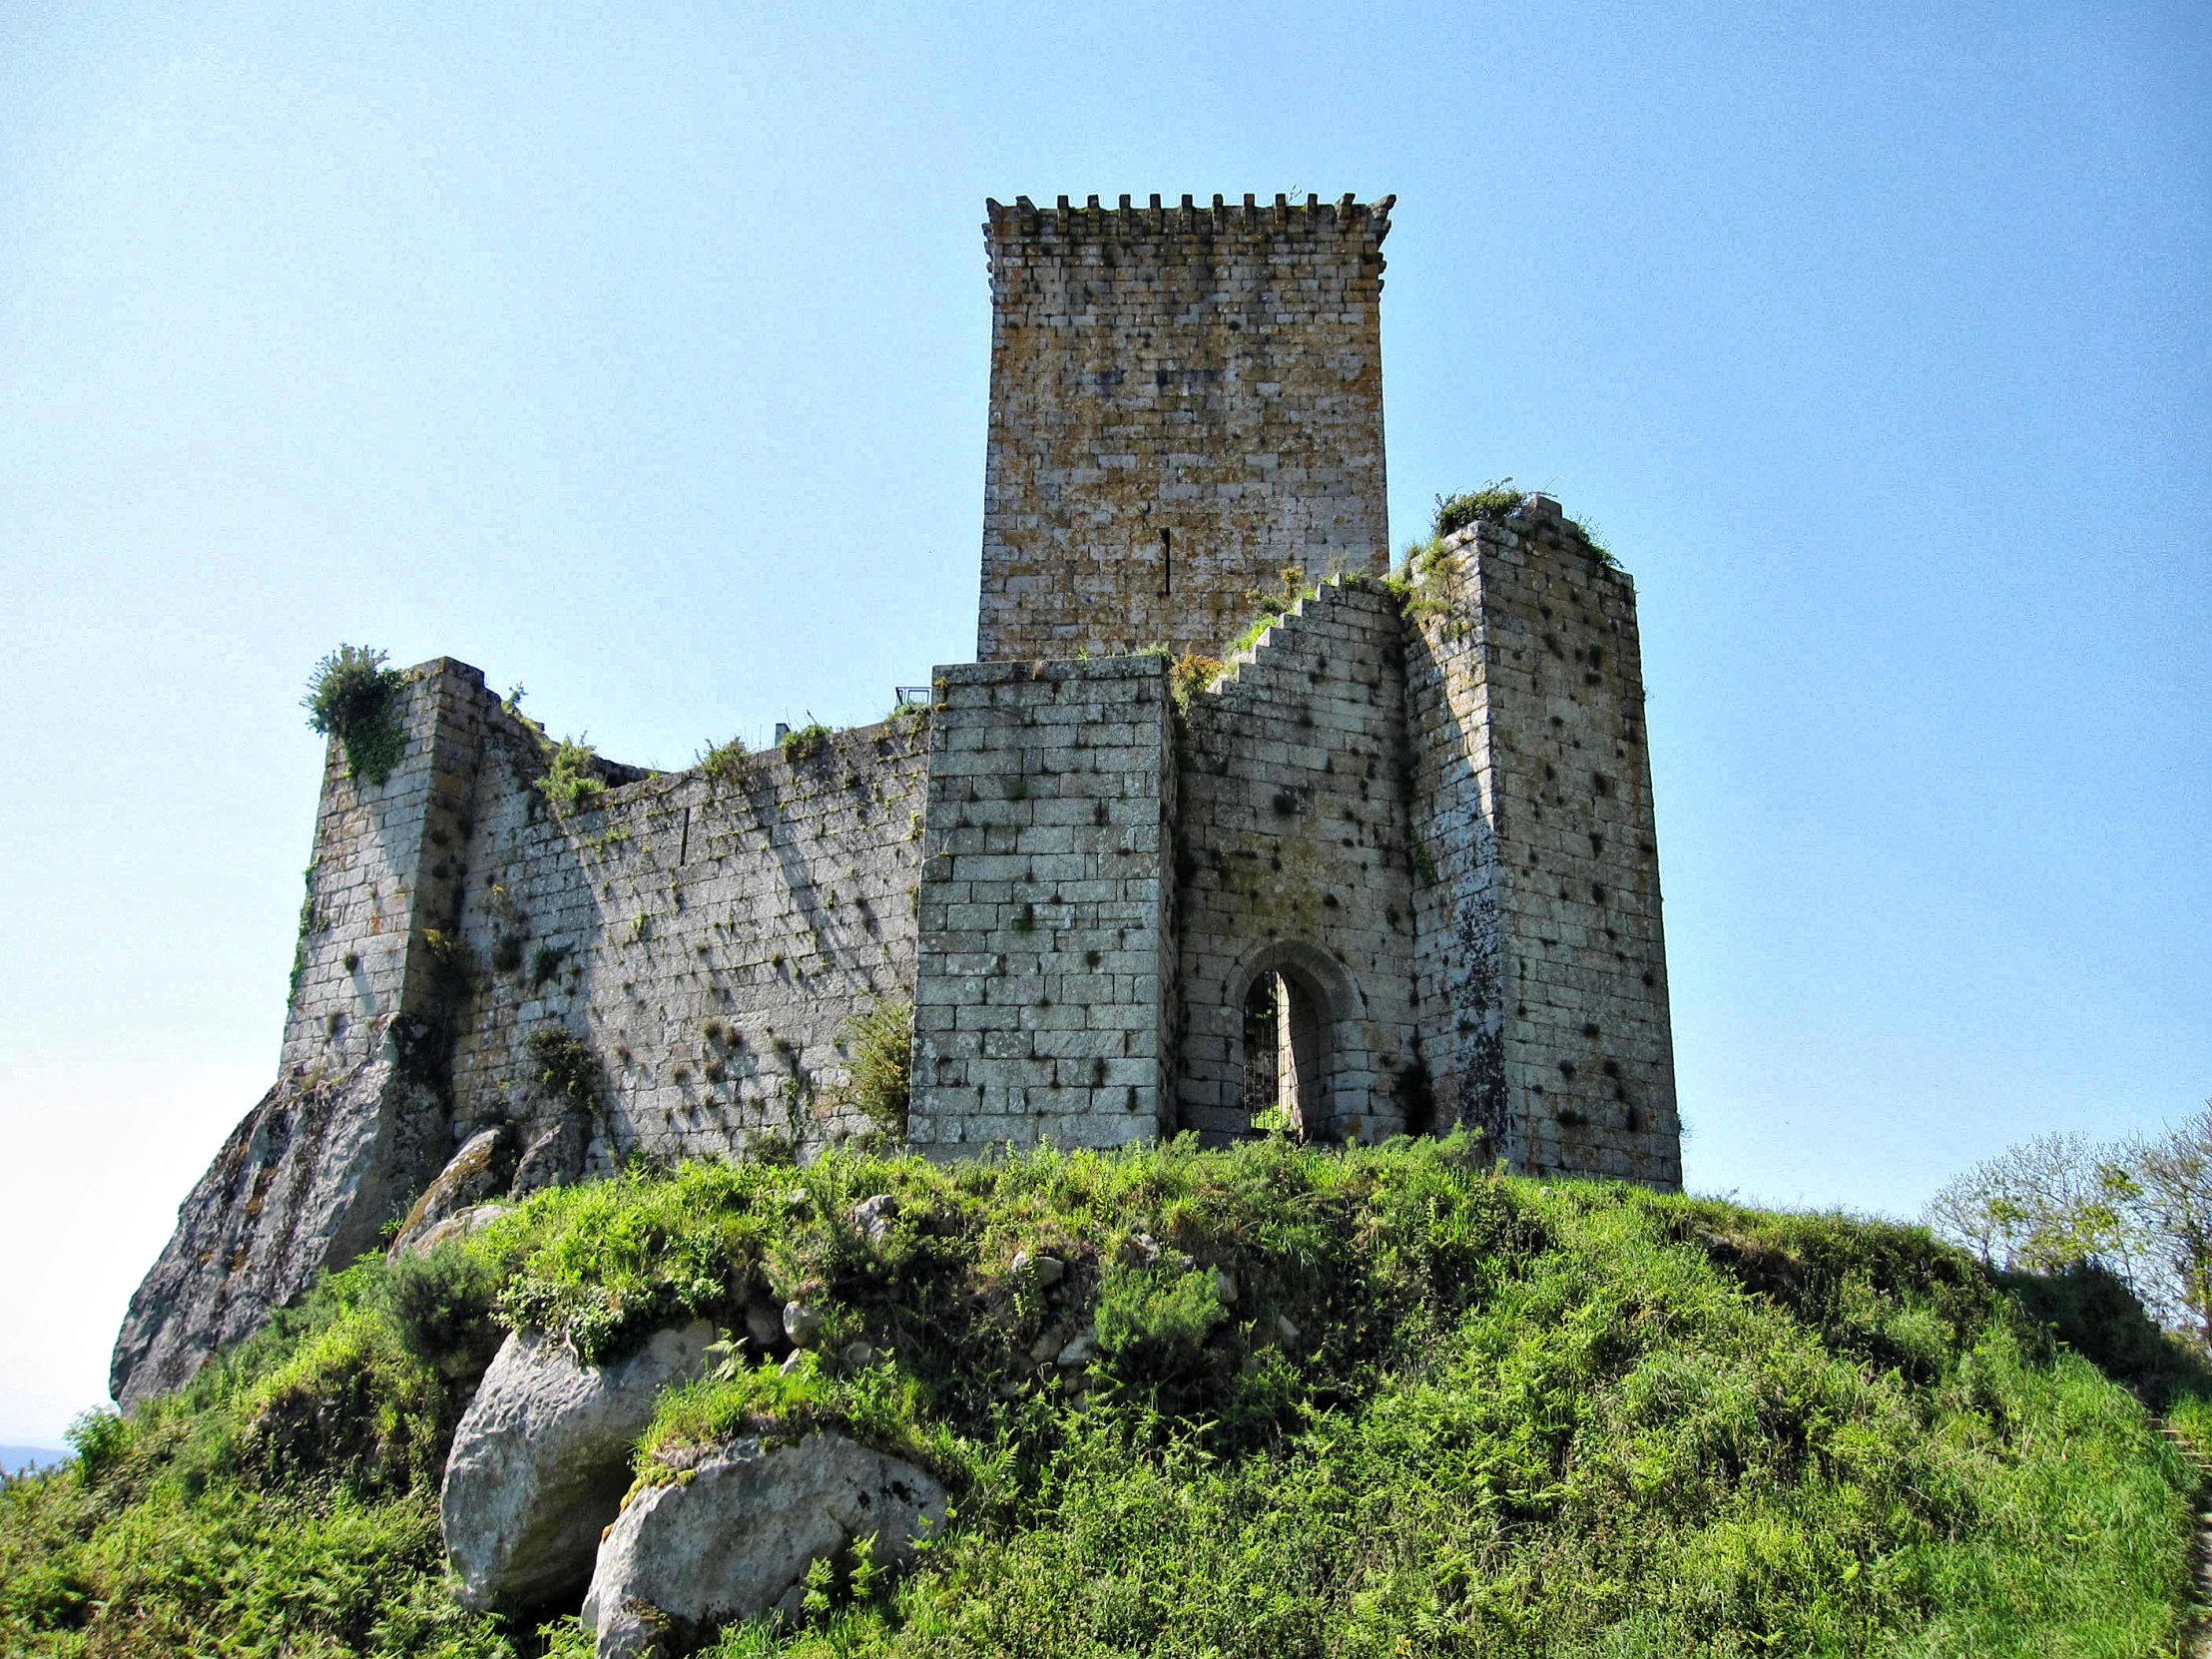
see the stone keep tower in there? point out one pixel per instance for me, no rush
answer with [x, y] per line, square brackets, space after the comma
[1184, 400]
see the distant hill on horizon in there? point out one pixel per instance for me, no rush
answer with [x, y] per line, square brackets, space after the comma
[16, 1459]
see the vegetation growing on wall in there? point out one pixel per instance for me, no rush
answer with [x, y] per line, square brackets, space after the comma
[311, 923]
[1493, 503]
[350, 697]
[805, 742]
[879, 1042]
[723, 763]
[1271, 605]
[572, 782]
[1369, 1402]
[564, 1066]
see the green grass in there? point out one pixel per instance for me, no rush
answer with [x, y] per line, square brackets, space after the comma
[1420, 1409]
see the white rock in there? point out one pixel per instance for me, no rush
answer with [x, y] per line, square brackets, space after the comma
[735, 1539]
[477, 1172]
[456, 1225]
[802, 1322]
[541, 1459]
[1048, 1270]
[1081, 1348]
[873, 1215]
[1225, 1286]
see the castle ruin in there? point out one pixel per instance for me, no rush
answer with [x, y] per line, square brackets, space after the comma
[1386, 868]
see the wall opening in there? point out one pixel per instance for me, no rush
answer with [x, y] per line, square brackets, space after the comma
[1285, 1086]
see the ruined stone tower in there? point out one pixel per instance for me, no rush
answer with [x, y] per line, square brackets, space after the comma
[1184, 400]
[1385, 865]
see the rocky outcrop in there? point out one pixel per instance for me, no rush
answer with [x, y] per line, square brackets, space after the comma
[307, 1181]
[555, 1155]
[479, 1170]
[733, 1536]
[541, 1459]
[453, 1227]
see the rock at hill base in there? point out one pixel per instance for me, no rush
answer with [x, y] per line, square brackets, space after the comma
[541, 1459]
[307, 1181]
[457, 1225]
[480, 1169]
[734, 1539]
[873, 1215]
[555, 1155]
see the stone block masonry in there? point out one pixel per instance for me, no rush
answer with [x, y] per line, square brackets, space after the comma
[1543, 969]
[1184, 401]
[1042, 1001]
[709, 937]
[1291, 846]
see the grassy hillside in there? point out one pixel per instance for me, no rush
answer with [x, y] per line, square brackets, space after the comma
[1441, 1412]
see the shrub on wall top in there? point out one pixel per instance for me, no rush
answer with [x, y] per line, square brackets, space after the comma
[351, 698]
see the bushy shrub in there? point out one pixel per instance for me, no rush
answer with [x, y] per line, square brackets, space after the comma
[1153, 1321]
[440, 1305]
[805, 742]
[352, 1406]
[350, 697]
[572, 782]
[1491, 504]
[723, 763]
[880, 1040]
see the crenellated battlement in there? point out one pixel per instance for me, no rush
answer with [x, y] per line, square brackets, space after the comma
[1312, 220]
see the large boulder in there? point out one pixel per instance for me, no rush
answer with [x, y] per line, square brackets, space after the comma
[732, 1538]
[541, 1459]
[307, 1181]
[479, 1170]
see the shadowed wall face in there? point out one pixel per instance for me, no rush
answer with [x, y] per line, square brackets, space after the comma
[1185, 400]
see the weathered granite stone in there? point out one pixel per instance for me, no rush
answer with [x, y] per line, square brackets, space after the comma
[456, 1227]
[873, 1215]
[735, 1538]
[479, 1169]
[555, 1155]
[305, 1182]
[541, 1459]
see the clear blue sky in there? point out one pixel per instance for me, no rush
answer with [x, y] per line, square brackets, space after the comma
[638, 355]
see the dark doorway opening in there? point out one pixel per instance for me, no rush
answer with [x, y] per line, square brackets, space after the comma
[1282, 1080]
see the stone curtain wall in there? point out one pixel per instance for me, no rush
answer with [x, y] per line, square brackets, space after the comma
[356, 1123]
[1528, 713]
[1043, 1004]
[1293, 851]
[1214, 373]
[708, 938]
